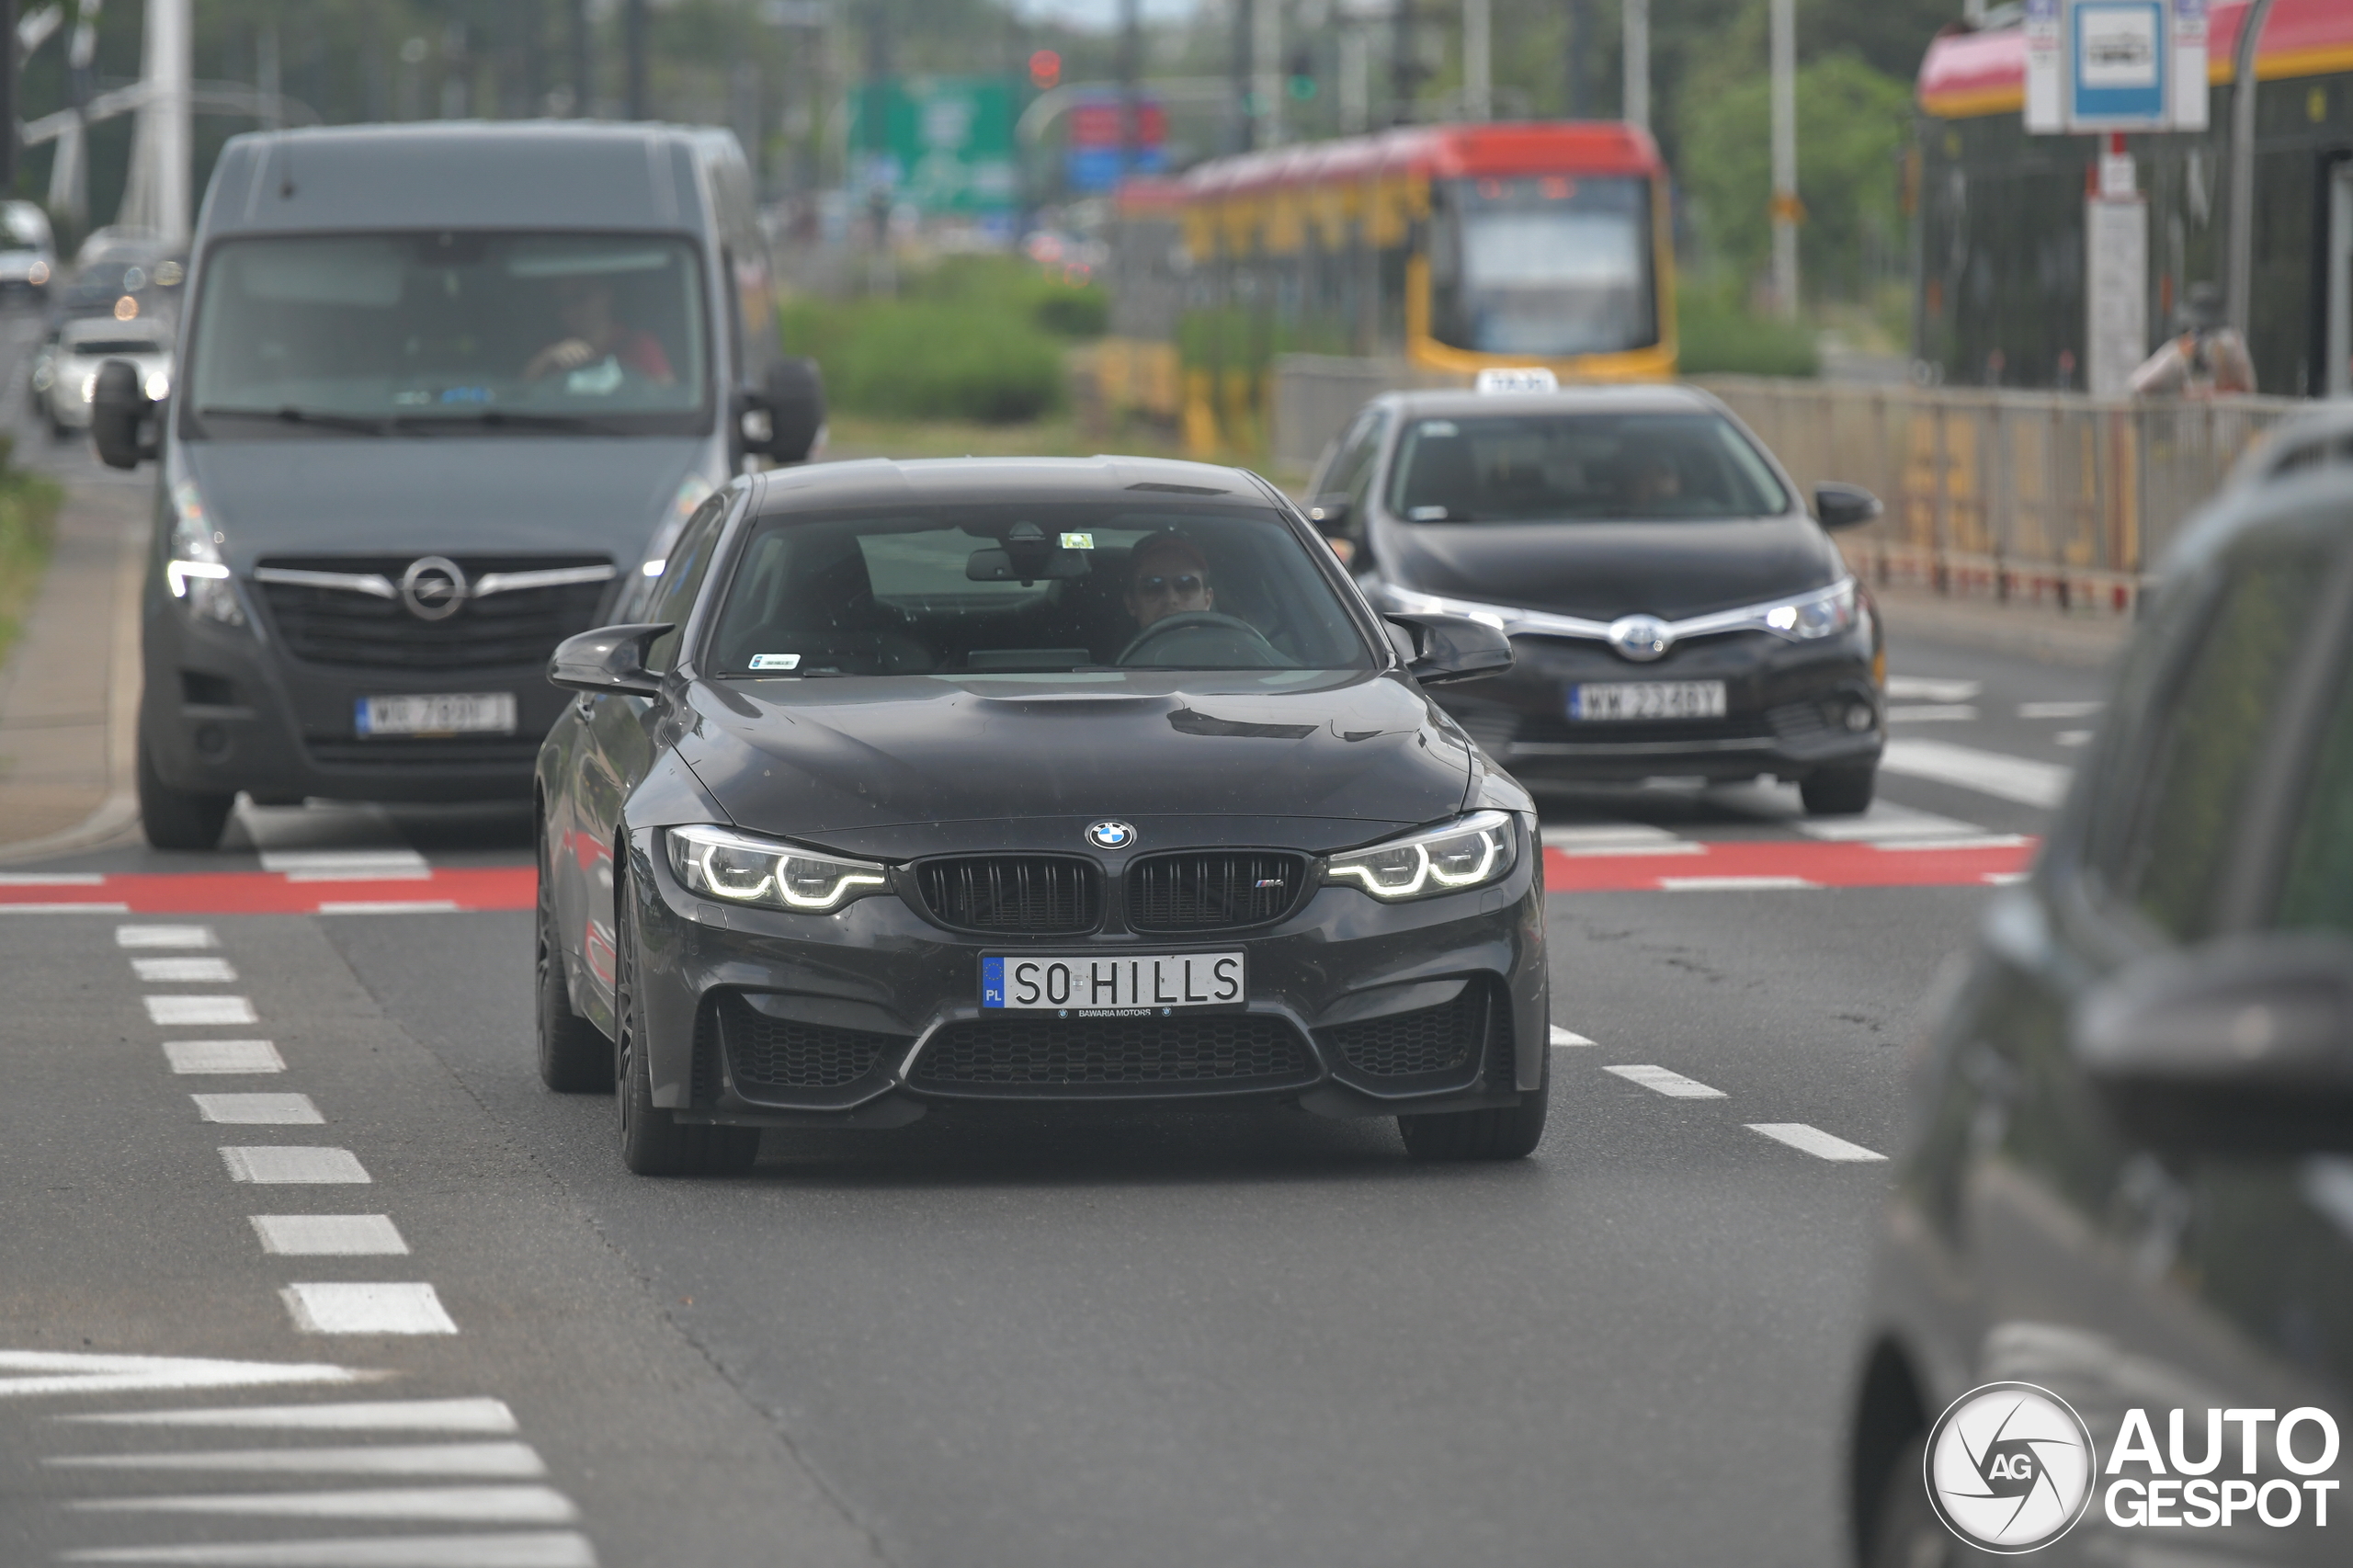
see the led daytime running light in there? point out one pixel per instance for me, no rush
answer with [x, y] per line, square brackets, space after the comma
[1430, 876]
[772, 875]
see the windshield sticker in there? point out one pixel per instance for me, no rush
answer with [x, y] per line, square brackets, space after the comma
[1439, 428]
[1078, 541]
[601, 380]
[775, 661]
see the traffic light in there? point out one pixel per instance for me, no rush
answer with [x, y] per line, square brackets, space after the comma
[1300, 75]
[1045, 69]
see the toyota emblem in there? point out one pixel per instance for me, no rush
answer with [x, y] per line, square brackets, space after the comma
[433, 588]
[1110, 835]
[1641, 638]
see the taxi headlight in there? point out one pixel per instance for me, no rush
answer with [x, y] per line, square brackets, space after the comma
[158, 385]
[1468, 853]
[193, 570]
[1822, 614]
[735, 869]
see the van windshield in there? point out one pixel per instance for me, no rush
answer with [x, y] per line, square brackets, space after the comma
[447, 333]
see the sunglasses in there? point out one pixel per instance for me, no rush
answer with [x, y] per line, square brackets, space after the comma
[1155, 585]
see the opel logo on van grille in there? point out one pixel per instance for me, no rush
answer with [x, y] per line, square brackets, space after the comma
[433, 588]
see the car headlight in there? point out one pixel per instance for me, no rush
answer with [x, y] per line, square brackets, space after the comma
[1822, 614]
[194, 571]
[90, 386]
[735, 869]
[1468, 853]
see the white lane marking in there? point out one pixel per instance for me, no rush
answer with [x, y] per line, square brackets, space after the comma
[1979, 841]
[2018, 778]
[53, 1371]
[224, 1056]
[51, 879]
[345, 1307]
[2074, 737]
[329, 1235]
[484, 1415]
[1933, 713]
[516, 1460]
[1813, 1140]
[1673, 1086]
[196, 971]
[2059, 709]
[1618, 838]
[259, 1110]
[346, 865]
[389, 906]
[1885, 820]
[1732, 884]
[512, 1549]
[293, 1165]
[1562, 1036]
[164, 936]
[2005, 879]
[64, 909]
[1928, 688]
[199, 1010]
[443, 1505]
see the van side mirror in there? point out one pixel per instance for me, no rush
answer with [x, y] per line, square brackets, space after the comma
[125, 422]
[783, 417]
[610, 658]
[1450, 648]
[2245, 1043]
[1840, 506]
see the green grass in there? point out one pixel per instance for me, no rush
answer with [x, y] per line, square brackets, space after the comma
[29, 503]
[1717, 336]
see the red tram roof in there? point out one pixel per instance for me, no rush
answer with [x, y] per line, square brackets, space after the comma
[1597, 147]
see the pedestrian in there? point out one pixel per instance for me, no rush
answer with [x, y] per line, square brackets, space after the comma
[2204, 359]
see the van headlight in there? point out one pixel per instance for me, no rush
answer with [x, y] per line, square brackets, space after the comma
[1470, 852]
[734, 868]
[193, 568]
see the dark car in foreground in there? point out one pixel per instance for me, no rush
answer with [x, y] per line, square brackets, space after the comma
[1674, 609]
[1021, 783]
[2130, 1183]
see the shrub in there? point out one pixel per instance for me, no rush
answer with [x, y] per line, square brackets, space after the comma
[929, 359]
[1717, 337]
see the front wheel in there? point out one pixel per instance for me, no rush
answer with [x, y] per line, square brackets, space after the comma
[1905, 1532]
[1505, 1132]
[653, 1142]
[1839, 792]
[575, 1057]
[178, 819]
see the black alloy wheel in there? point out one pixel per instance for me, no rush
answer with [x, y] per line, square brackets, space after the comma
[574, 1056]
[1839, 792]
[178, 819]
[1505, 1132]
[653, 1142]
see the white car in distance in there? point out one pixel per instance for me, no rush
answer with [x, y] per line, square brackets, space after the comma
[67, 373]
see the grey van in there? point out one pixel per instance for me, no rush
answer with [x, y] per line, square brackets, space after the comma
[444, 392]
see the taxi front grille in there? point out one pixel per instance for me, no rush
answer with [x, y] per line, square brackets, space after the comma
[344, 627]
[1034, 1055]
[1214, 890]
[1041, 896]
[785, 1053]
[1406, 1045]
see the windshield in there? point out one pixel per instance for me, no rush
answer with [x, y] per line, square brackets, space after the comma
[590, 333]
[1545, 264]
[1529, 468]
[1110, 588]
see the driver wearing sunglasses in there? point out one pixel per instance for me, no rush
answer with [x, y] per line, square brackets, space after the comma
[1167, 576]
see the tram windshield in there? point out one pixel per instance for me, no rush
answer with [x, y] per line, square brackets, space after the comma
[1545, 264]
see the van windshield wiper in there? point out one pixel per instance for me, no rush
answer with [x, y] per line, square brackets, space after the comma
[358, 424]
[500, 418]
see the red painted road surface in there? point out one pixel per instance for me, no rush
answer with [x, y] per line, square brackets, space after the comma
[1708, 867]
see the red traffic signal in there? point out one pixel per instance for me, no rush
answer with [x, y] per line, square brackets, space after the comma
[1045, 69]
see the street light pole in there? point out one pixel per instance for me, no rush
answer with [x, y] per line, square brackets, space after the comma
[1477, 61]
[1785, 158]
[2239, 264]
[1635, 93]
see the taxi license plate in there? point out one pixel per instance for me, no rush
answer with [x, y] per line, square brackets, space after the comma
[1648, 699]
[1103, 986]
[465, 713]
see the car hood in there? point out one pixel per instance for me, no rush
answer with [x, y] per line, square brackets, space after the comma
[1602, 571]
[438, 495]
[910, 766]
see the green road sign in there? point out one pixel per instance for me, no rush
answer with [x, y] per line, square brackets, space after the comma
[944, 143]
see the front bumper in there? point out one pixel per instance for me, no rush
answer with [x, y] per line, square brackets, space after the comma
[1788, 708]
[871, 1015]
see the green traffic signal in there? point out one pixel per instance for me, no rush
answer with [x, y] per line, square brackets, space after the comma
[1302, 87]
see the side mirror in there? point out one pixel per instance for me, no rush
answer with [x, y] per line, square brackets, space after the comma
[123, 418]
[1329, 513]
[2245, 1043]
[783, 419]
[1450, 648]
[610, 658]
[1845, 505]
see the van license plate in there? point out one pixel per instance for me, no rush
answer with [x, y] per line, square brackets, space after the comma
[465, 713]
[1103, 986]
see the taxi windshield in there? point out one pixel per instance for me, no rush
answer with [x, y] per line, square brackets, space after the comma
[990, 589]
[1550, 467]
[452, 332]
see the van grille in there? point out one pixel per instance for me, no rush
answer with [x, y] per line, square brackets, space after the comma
[519, 628]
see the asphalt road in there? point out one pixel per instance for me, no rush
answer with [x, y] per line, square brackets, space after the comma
[1263, 1339]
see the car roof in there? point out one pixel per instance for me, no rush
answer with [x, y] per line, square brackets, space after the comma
[880, 481]
[1641, 398]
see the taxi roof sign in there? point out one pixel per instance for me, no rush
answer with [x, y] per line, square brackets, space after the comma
[1525, 379]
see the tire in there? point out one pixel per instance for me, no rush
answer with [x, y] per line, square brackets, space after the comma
[1839, 792]
[178, 819]
[1505, 1132]
[653, 1142]
[1905, 1532]
[574, 1056]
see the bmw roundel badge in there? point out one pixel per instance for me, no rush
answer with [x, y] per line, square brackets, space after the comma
[1110, 835]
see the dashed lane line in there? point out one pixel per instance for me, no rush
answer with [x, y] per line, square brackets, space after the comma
[183, 1010]
[388, 906]
[2059, 709]
[329, 1235]
[77, 906]
[350, 1307]
[259, 1110]
[164, 936]
[1931, 689]
[1734, 884]
[1618, 838]
[345, 865]
[1673, 1086]
[438, 1504]
[300, 1164]
[1887, 822]
[1567, 1038]
[516, 1549]
[27, 1374]
[195, 970]
[479, 1415]
[224, 1056]
[1814, 1142]
[52, 879]
[2017, 778]
[514, 1460]
[1933, 713]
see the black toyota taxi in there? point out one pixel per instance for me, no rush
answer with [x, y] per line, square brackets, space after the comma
[1012, 782]
[2130, 1180]
[1675, 609]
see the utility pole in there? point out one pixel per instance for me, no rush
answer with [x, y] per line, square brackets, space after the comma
[1580, 28]
[1477, 61]
[584, 62]
[1131, 70]
[1786, 210]
[633, 48]
[8, 115]
[1405, 72]
[1635, 95]
[1266, 77]
[2238, 285]
[1245, 114]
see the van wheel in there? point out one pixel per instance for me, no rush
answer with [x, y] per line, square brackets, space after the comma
[653, 1142]
[1506, 1132]
[178, 819]
[574, 1056]
[1839, 792]
[1906, 1533]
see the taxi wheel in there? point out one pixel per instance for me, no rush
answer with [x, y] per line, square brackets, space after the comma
[574, 1056]
[1506, 1132]
[1839, 792]
[653, 1142]
[1905, 1533]
[178, 819]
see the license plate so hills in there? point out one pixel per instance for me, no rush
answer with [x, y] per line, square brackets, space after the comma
[1107, 985]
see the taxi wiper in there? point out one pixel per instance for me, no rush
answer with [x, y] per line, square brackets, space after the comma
[358, 424]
